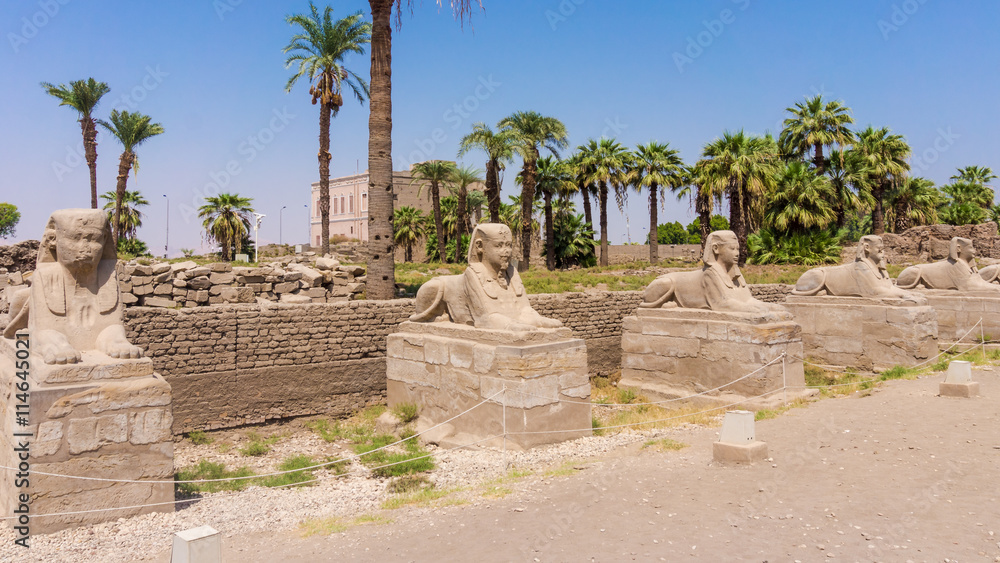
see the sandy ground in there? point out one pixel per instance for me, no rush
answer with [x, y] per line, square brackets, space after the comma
[899, 475]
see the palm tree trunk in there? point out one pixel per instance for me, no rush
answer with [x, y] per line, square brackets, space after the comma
[527, 199]
[409, 252]
[324, 175]
[90, 149]
[654, 249]
[818, 158]
[737, 219]
[438, 223]
[381, 282]
[878, 213]
[550, 235]
[124, 166]
[588, 215]
[461, 214]
[703, 207]
[493, 190]
[603, 203]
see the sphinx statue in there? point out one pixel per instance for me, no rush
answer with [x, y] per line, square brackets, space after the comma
[957, 272]
[991, 274]
[73, 303]
[865, 277]
[488, 295]
[718, 285]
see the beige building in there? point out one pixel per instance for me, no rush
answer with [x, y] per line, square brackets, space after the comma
[349, 204]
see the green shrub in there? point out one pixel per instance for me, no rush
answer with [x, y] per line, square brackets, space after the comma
[290, 464]
[200, 438]
[208, 470]
[406, 412]
[818, 247]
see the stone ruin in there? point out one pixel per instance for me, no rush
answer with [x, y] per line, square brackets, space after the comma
[700, 332]
[853, 314]
[475, 339]
[79, 399]
[930, 242]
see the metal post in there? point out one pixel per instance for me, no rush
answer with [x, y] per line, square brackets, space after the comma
[784, 380]
[280, 224]
[256, 230]
[504, 411]
[166, 240]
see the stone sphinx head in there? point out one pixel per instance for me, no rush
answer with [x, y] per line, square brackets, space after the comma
[723, 248]
[491, 244]
[872, 248]
[961, 249]
[79, 239]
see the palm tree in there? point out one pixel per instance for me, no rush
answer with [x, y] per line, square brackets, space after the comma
[381, 266]
[800, 202]
[975, 174]
[656, 166]
[463, 177]
[131, 217]
[702, 197]
[409, 226]
[131, 130]
[849, 179]
[476, 200]
[582, 172]
[553, 180]
[531, 131]
[608, 163]
[319, 50]
[884, 155]
[83, 96]
[967, 203]
[435, 173]
[499, 150]
[226, 221]
[744, 168]
[813, 125]
[913, 202]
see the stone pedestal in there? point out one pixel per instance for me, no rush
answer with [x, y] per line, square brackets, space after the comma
[865, 333]
[957, 312]
[958, 382]
[671, 353]
[102, 417]
[446, 368]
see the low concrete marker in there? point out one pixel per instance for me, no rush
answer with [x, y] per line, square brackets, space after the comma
[197, 545]
[958, 382]
[737, 441]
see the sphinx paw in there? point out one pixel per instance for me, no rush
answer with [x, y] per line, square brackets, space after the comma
[57, 350]
[123, 350]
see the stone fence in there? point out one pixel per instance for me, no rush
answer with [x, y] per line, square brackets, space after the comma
[238, 364]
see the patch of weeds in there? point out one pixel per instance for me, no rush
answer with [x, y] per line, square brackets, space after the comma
[390, 462]
[600, 382]
[335, 525]
[983, 338]
[258, 445]
[200, 438]
[408, 484]
[224, 447]
[496, 491]
[337, 467]
[626, 395]
[425, 497]
[208, 470]
[832, 384]
[665, 445]
[496, 488]
[765, 414]
[287, 479]
[649, 417]
[900, 372]
[565, 470]
[406, 412]
[595, 424]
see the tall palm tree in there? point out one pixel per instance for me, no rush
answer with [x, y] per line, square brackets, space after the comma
[849, 179]
[226, 221]
[463, 177]
[409, 226]
[814, 125]
[800, 202]
[966, 203]
[744, 167]
[499, 151]
[553, 180]
[531, 131]
[319, 50]
[975, 174]
[702, 197]
[885, 155]
[131, 130]
[131, 217]
[83, 96]
[656, 166]
[381, 267]
[913, 202]
[582, 173]
[608, 163]
[435, 173]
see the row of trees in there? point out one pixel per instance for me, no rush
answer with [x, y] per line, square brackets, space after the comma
[131, 129]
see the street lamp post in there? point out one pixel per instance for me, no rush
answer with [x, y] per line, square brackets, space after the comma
[166, 240]
[256, 229]
[279, 224]
[308, 223]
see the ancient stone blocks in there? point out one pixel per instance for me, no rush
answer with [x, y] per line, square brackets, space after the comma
[865, 333]
[541, 377]
[670, 353]
[958, 312]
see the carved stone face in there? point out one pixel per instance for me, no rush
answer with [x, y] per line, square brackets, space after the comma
[967, 251]
[80, 248]
[727, 252]
[496, 250]
[876, 251]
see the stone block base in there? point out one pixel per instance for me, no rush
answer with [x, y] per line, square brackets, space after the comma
[739, 453]
[964, 390]
[671, 353]
[117, 427]
[539, 379]
[958, 313]
[865, 333]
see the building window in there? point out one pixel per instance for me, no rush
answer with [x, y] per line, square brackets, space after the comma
[352, 229]
[317, 240]
[334, 206]
[316, 209]
[364, 202]
[342, 208]
[350, 200]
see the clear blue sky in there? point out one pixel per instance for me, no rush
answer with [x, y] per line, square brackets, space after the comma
[212, 73]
